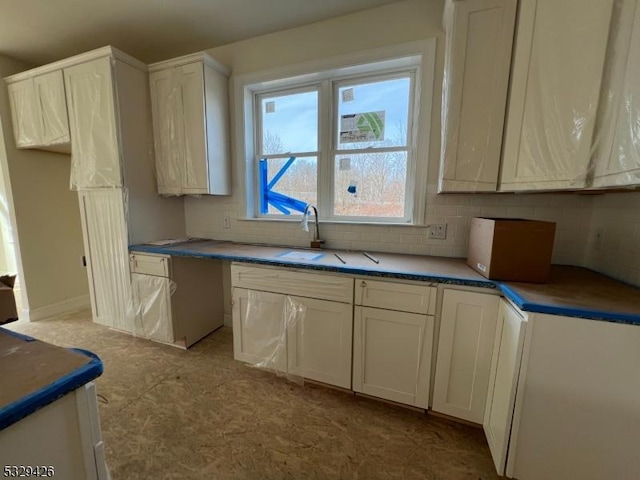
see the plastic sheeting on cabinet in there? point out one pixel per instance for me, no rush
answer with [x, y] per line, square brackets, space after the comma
[616, 150]
[95, 149]
[150, 307]
[104, 216]
[573, 117]
[273, 348]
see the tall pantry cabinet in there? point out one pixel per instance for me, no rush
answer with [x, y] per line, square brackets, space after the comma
[112, 167]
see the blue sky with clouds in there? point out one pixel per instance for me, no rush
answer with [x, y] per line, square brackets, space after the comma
[295, 119]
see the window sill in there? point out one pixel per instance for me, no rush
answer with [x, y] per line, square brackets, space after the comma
[332, 222]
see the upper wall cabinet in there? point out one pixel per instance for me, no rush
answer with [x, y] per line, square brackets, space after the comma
[479, 36]
[616, 157]
[190, 106]
[39, 111]
[556, 79]
[91, 102]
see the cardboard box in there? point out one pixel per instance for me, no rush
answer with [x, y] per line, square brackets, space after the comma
[8, 311]
[511, 249]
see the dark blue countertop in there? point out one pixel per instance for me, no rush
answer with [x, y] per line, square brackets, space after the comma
[570, 291]
[34, 374]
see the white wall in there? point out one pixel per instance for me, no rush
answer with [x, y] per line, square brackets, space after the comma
[391, 24]
[617, 216]
[47, 216]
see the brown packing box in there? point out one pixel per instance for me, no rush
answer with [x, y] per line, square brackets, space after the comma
[8, 311]
[511, 249]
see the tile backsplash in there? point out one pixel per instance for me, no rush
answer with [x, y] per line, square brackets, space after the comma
[572, 213]
[616, 218]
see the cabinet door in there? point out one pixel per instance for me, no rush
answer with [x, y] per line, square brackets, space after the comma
[467, 329]
[479, 36]
[152, 307]
[319, 342]
[27, 125]
[49, 90]
[168, 129]
[195, 178]
[105, 238]
[555, 88]
[392, 355]
[95, 157]
[505, 368]
[617, 160]
[259, 335]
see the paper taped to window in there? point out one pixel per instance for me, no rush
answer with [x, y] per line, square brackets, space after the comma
[362, 127]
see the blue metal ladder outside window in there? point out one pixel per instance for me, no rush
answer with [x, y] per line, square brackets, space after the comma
[268, 196]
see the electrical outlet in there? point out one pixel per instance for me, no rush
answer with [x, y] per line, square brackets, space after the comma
[227, 221]
[437, 231]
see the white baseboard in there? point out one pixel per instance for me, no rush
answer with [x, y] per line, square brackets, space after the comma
[228, 322]
[59, 308]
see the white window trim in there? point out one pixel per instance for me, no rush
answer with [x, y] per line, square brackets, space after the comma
[357, 64]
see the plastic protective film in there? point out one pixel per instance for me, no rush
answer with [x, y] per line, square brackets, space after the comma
[104, 213]
[573, 115]
[151, 307]
[95, 149]
[26, 121]
[271, 323]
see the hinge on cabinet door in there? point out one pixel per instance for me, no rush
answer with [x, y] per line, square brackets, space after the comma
[84, 261]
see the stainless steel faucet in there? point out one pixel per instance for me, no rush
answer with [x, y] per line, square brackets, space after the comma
[317, 241]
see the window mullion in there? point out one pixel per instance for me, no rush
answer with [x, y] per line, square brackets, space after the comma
[325, 172]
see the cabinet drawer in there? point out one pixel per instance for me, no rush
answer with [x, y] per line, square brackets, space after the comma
[158, 265]
[301, 284]
[396, 296]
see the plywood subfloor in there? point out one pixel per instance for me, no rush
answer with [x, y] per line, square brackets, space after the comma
[199, 414]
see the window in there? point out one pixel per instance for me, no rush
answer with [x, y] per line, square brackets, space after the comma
[342, 139]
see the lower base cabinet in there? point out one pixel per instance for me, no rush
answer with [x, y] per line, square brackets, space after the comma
[392, 355]
[465, 347]
[297, 336]
[503, 381]
[62, 438]
[175, 300]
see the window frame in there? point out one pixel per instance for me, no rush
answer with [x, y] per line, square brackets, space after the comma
[418, 55]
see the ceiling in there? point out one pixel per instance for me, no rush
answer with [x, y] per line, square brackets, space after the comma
[43, 31]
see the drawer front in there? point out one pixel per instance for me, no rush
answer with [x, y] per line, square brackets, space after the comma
[301, 284]
[396, 296]
[158, 265]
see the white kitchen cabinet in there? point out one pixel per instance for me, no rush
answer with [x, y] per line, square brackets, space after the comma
[152, 307]
[49, 90]
[392, 355]
[102, 212]
[319, 346]
[176, 300]
[393, 340]
[617, 150]
[95, 144]
[465, 347]
[63, 437]
[505, 369]
[314, 342]
[556, 77]
[24, 113]
[479, 37]
[190, 103]
[259, 335]
[576, 410]
[39, 111]
[403, 297]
